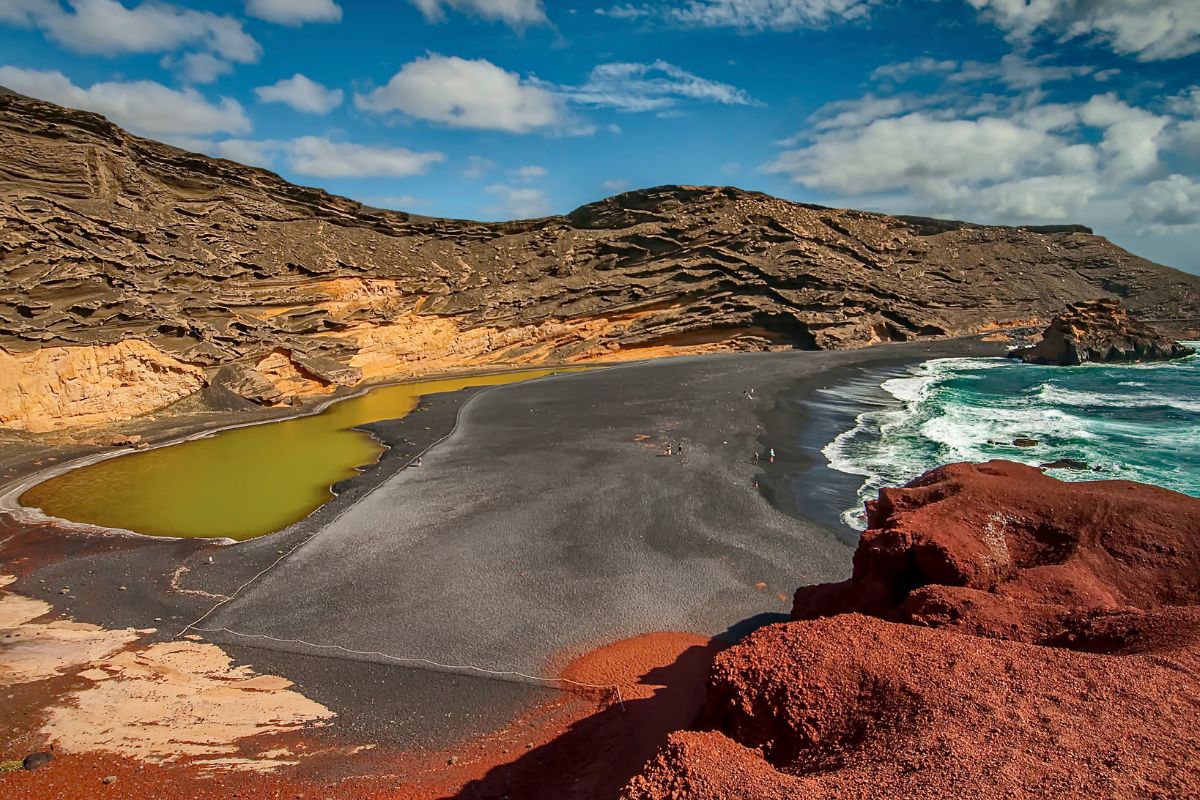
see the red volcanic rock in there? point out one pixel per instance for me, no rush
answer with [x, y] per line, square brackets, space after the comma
[855, 707]
[1005, 544]
[1004, 634]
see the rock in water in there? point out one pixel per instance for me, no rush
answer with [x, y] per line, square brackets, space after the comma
[1099, 330]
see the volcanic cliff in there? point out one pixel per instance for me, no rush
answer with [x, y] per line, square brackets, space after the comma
[133, 273]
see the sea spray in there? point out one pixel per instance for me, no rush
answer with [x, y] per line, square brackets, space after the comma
[1136, 422]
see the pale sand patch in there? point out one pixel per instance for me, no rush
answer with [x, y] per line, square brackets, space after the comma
[35, 651]
[180, 700]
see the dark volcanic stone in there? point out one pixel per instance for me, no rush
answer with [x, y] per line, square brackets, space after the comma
[1099, 330]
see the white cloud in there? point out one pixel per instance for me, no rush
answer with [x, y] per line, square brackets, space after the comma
[1013, 70]
[915, 151]
[244, 151]
[1001, 158]
[477, 167]
[198, 67]
[322, 158]
[906, 70]
[142, 106]
[649, 87]
[318, 156]
[1169, 206]
[107, 27]
[759, 15]
[516, 13]
[528, 173]
[1148, 30]
[855, 113]
[465, 93]
[520, 202]
[1132, 136]
[294, 12]
[615, 185]
[302, 94]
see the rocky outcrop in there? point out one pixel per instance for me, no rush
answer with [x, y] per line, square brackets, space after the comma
[57, 387]
[109, 237]
[1099, 330]
[999, 629]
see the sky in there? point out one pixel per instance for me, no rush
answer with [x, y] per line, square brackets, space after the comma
[999, 111]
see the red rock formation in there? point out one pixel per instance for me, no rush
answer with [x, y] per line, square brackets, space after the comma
[1026, 638]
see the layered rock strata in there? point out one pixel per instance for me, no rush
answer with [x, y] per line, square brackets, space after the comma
[279, 291]
[1003, 635]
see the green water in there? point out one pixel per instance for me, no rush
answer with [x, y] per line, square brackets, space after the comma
[243, 482]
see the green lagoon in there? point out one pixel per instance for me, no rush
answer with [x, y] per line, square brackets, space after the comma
[243, 482]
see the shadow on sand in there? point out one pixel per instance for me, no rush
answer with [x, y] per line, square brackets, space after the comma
[597, 755]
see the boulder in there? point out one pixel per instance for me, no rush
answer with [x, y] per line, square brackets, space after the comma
[1099, 331]
[999, 629]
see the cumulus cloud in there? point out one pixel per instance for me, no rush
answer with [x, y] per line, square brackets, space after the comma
[520, 202]
[466, 93]
[107, 27]
[1148, 30]
[302, 94]
[1006, 161]
[323, 158]
[1171, 205]
[516, 13]
[198, 67]
[294, 12]
[1132, 136]
[142, 106]
[915, 151]
[650, 87]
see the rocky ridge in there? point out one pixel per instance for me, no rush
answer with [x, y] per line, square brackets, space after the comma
[1004, 634]
[279, 291]
[1100, 331]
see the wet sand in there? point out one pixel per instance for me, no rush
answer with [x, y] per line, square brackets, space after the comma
[545, 525]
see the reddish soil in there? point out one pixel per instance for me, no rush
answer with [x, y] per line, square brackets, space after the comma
[584, 744]
[1027, 638]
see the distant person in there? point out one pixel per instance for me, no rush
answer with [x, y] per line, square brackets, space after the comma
[772, 455]
[679, 449]
[756, 456]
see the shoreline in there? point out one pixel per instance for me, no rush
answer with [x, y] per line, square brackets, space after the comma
[13, 489]
[541, 526]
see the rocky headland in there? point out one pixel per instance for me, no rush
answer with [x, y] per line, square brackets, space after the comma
[134, 274]
[1003, 634]
[1099, 331]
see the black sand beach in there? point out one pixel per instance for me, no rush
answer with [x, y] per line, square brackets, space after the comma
[545, 522]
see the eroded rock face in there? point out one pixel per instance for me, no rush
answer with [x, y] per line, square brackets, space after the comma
[1004, 634]
[58, 387]
[1099, 330]
[108, 237]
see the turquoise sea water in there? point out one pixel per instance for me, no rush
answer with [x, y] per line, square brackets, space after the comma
[1139, 422]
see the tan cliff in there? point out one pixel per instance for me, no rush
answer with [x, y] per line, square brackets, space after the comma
[56, 387]
[228, 275]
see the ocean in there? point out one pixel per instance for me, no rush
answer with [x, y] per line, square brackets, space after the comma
[1138, 422]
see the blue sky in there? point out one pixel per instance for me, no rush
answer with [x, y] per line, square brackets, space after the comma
[990, 110]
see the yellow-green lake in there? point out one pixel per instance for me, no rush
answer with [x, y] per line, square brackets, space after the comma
[243, 482]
